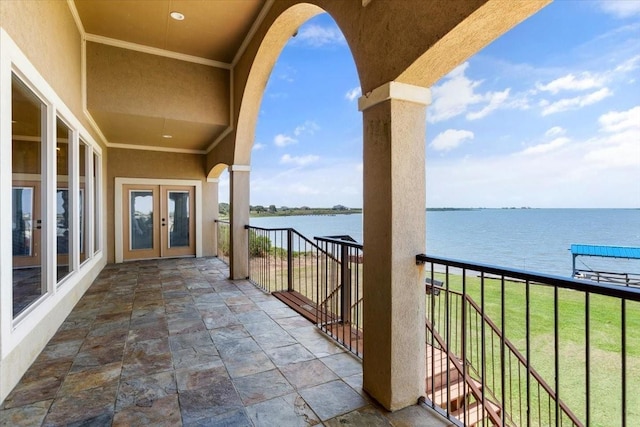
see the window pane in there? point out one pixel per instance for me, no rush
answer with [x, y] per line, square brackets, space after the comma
[178, 218]
[22, 224]
[96, 203]
[141, 215]
[27, 112]
[63, 202]
[82, 154]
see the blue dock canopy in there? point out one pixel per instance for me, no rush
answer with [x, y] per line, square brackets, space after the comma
[606, 251]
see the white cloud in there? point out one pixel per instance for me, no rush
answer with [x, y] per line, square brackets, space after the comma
[576, 102]
[546, 147]
[569, 176]
[317, 36]
[258, 146]
[354, 93]
[453, 96]
[496, 99]
[450, 139]
[620, 8]
[628, 65]
[307, 128]
[555, 131]
[622, 155]
[299, 160]
[457, 93]
[615, 121]
[325, 184]
[620, 145]
[282, 140]
[570, 82]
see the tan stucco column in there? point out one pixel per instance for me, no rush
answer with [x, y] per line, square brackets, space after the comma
[394, 118]
[239, 217]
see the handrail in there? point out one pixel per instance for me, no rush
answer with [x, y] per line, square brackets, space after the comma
[517, 354]
[293, 230]
[495, 418]
[542, 279]
[253, 227]
[339, 241]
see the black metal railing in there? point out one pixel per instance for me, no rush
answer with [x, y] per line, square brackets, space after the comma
[282, 259]
[628, 279]
[322, 281]
[492, 326]
[340, 293]
[223, 233]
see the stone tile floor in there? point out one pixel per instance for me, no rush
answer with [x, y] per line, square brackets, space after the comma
[174, 342]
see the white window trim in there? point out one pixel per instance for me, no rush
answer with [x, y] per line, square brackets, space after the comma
[14, 331]
[117, 204]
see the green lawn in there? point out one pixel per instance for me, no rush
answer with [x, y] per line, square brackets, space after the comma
[605, 345]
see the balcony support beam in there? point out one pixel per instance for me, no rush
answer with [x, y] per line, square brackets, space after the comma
[239, 217]
[394, 118]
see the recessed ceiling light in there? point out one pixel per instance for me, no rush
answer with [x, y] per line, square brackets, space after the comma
[167, 136]
[177, 16]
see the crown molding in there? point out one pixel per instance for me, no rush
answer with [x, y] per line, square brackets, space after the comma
[156, 51]
[154, 148]
[226, 132]
[252, 31]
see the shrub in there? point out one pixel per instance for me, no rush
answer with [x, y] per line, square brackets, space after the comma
[259, 246]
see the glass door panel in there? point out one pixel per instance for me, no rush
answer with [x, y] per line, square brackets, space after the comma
[22, 221]
[141, 228]
[178, 228]
[178, 224]
[141, 220]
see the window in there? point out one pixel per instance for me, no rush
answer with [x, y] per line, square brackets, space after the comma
[28, 143]
[65, 199]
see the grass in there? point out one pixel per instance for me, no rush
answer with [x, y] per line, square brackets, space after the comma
[605, 340]
[604, 344]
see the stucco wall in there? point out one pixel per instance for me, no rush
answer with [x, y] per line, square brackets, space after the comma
[129, 82]
[54, 49]
[157, 165]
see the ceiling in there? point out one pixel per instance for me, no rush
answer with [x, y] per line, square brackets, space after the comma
[211, 33]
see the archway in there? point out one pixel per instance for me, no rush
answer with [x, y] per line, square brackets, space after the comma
[282, 29]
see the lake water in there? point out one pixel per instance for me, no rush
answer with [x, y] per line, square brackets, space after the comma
[529, 239]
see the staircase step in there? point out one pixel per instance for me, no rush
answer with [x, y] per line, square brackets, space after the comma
[437, 366]
[474, 413]
[455, 394]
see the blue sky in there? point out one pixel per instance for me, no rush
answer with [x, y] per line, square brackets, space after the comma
[546, 116]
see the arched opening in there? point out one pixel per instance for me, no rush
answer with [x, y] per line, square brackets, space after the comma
[308, 144]
[282, 29]
[524, 139]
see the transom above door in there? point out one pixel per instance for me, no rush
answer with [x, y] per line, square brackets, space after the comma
[154, 220]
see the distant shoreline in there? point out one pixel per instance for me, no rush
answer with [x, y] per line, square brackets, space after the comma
[307, 212]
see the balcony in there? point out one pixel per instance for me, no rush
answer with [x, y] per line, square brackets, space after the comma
[174, 342]
[503, 346]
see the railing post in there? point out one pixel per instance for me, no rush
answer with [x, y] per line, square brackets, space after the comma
[345, 300]
[289, 260]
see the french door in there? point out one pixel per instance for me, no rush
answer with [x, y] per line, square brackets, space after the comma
[158, 221]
